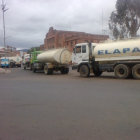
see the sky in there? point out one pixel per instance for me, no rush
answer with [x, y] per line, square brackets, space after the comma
[28, 21]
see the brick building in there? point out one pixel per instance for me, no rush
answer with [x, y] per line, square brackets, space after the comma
[58, 38]
[42, 47]
[9, 51]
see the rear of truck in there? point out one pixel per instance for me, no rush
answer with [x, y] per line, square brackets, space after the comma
[55, 60]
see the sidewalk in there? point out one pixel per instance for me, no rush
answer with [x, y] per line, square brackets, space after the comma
[4, 70]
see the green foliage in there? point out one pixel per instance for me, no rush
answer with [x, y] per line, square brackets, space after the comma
[125, 21]
[33, 49]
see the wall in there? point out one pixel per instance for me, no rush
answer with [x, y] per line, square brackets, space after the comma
[60, 39]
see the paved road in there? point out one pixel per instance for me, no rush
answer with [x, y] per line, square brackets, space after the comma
[67, 107]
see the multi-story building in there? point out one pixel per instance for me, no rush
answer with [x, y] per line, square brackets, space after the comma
[68, 39]
[42, 47]
[9, 51]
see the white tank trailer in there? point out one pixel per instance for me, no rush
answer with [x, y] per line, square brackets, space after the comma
[55, 56]
[14, 61]
[120, 57]
[117, 51]
[54, 60]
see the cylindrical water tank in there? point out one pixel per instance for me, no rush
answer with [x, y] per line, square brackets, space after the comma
[59, 56]
[117, 50]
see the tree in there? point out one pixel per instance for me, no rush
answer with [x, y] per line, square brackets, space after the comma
[33, 48]
[125, 21]
[117, 27]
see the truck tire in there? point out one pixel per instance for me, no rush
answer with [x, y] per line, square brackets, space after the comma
[24, 67]
[122, 71]
[84, 71]
[64, 70]
[136, 71]
[47, 71]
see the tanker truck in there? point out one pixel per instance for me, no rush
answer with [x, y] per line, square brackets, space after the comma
[11, 62]
[34, 60]
[26, 61]
[120, 57]
[53, 60]
[15, 61]
[4, 62]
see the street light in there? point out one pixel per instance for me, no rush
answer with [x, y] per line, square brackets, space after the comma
[3, 11]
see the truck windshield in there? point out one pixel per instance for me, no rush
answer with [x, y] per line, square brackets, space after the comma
[4, 60]
[78, 49]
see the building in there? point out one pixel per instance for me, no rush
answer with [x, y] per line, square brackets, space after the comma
[42, 47]
[2, 52]
[9, 51]
[68, 39]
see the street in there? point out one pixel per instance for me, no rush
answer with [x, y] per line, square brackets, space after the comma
[34, 106]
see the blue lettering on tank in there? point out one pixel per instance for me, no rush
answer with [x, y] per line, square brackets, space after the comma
[116, 51]
[126, 50]
[100, 52]
[106, 52]
[135, 50]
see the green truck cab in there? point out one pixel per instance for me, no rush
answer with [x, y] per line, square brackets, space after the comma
[34, 64]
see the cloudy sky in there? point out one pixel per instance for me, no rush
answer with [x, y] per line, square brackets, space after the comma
[28, 21]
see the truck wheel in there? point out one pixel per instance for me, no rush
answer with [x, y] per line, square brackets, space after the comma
[84, 71]
[136, 71]
[24, 67]
[47, 71]
[122, 71]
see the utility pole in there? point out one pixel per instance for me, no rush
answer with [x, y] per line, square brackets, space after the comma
[3, 11]
[102, 21]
